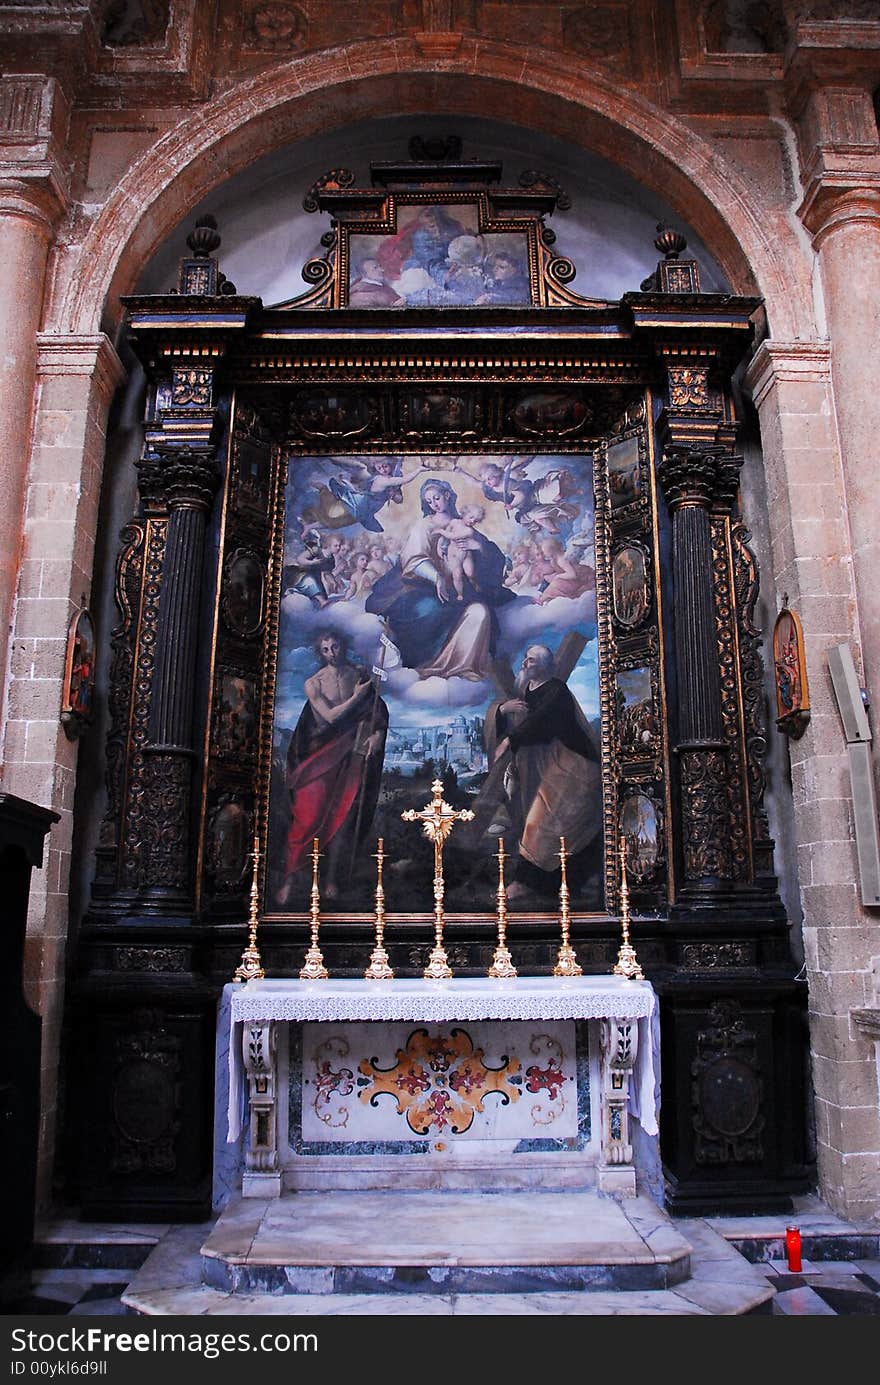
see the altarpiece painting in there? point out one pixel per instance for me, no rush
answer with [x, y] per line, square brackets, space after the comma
[417, 594]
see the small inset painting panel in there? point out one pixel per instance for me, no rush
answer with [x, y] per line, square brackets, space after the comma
[439, 257]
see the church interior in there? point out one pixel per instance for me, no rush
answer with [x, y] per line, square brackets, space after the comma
[440, 631]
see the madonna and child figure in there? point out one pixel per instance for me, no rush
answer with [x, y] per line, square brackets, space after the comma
[409, 598]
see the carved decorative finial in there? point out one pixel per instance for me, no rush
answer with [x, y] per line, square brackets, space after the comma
[669, 242]
[204, 238]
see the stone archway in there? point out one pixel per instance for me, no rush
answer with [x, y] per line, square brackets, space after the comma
[549, 93]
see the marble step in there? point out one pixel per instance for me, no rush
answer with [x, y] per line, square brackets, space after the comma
[439, 1254]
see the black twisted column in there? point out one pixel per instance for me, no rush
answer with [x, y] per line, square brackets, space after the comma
[690, 480]
[191, 479]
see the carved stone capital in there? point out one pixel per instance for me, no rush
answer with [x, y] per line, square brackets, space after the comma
[190, 478]
[839, 200]
[35, 196]
[706, 478]
[91, 355]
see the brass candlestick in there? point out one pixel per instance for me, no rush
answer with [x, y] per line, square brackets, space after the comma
[250, 967]
[313, 968]
[438, 819]
[502, 962]
[379, 969]
[566, 962]
[627, 962]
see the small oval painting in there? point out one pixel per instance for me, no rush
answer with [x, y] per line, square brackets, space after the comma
[243, 594]
[629, 583]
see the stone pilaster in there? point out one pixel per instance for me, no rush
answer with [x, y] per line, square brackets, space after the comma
[791, 385]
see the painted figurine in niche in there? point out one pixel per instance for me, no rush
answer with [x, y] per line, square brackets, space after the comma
[333, 767]
[358, 494]
[553, 779]
[437, 631]
[77, 703]
[629, 585]
[792, 693]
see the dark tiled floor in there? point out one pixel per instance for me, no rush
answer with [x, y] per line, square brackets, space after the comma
[826, 1288]
[80, 1291]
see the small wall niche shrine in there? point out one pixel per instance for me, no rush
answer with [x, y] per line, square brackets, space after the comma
[438, 518]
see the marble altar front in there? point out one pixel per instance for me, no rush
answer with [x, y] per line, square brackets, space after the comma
[469, 1083]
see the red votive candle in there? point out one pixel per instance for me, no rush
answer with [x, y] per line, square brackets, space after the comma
[793, 1248]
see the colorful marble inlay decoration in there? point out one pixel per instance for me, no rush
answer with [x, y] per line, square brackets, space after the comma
[408, 1085]
[440, 1081]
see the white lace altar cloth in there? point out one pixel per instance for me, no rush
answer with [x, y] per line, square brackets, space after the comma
[467, 998]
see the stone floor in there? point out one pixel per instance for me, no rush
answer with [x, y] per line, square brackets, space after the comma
[736, 1265]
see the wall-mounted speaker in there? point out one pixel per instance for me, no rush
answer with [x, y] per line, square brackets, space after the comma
[861, 771]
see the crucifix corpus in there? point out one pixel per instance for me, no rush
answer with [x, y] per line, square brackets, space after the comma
[438, 819]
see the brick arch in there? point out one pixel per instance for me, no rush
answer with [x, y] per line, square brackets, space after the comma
[544, 91]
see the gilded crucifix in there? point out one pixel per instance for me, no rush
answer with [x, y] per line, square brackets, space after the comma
[438, 819]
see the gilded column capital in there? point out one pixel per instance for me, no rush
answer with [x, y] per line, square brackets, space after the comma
[191, 478]
[702, 478]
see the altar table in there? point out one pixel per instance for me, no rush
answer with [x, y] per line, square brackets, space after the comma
[623, 1012]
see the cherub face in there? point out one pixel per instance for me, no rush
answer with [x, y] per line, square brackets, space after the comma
[491, 473]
